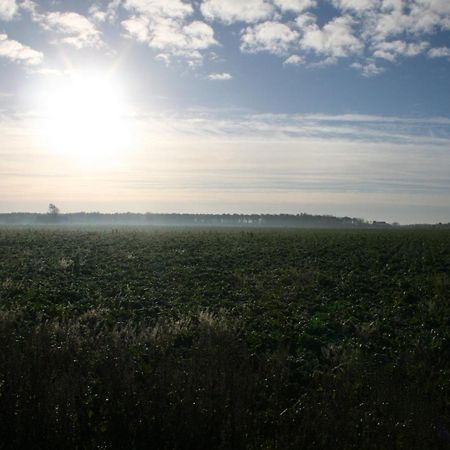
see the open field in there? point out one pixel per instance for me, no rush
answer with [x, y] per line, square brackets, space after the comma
[202, 339]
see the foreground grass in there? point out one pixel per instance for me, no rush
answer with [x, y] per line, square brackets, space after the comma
[224, 339]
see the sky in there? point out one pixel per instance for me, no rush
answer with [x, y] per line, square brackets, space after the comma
[213, 106]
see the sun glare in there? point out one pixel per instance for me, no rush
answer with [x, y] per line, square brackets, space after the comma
[86, 117]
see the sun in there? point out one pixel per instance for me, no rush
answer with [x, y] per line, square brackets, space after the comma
[87, 117]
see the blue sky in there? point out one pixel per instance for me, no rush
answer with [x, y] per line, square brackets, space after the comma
[325, 106]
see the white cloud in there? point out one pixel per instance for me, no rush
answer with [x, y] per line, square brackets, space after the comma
[137, 27]
[305, 20]
[381, 26]
[168, 35]
[412, 17]
[427, 15]
[296, 6]
[17, 52]
[66, 27]
[294, 60]
[200, 35]
[383, 29]
[272, 37]
[172, 37]
[175, 9]
[8, 9]
[220, 76]
[369, 69]
[107, 14]
[97, 14]
[355, 5]
[230, 11]
[392, 50]
[439, 52]
[335, 39]
[74, 29]
[163, 25]
[390, 29]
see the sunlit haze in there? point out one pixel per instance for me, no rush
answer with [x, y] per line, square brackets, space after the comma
[84, 116]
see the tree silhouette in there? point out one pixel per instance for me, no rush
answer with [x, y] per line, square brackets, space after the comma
[53, 209]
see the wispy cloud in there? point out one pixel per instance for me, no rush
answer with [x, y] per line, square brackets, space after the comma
[368, 69]
[394, 49]
[345, 164]
[439, 52]
[294, 60]
[220, 76]
[288, 127]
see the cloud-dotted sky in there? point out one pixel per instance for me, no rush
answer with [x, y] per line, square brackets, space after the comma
[370, 35]
[325, 102]
[310, 53]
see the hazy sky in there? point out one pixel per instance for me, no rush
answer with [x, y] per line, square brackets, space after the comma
[320, 106]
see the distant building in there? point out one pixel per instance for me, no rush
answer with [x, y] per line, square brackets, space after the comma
[377, 223]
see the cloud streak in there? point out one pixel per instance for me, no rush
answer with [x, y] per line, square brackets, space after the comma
[220, 76]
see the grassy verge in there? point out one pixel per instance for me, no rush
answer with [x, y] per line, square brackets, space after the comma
[196, 384]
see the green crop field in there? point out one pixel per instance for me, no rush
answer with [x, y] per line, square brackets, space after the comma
[224, 339]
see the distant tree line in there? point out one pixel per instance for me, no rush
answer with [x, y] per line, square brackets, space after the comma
[302, 220]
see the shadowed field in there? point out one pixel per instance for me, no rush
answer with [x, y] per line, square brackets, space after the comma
[200, 339]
